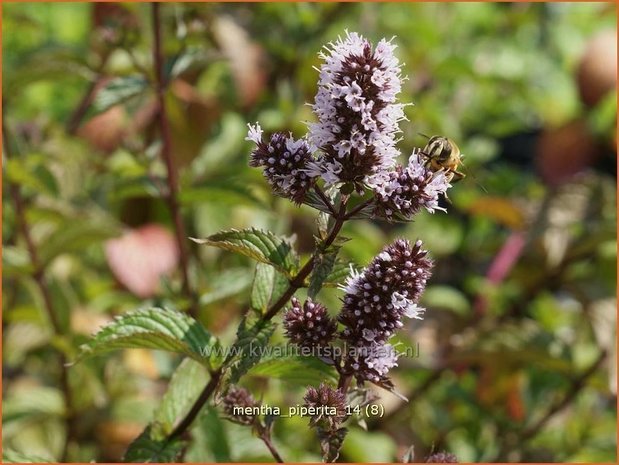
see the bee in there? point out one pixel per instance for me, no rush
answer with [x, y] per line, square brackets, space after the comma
[442, 153]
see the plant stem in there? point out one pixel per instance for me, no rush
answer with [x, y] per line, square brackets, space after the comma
[166, 155]
[39, 277]
[295, 284]
[266, 438]
[325, 199]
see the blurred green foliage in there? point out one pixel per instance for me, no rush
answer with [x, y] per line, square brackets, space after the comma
[494, 355]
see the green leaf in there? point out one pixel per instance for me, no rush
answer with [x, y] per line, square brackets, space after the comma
[250, 345]
[210, 440]
[296, 369]
[262, 246]
[75, 236]
[155, 328]
[119, 90]
[31, 173]
[226, 284]
[323, 265]
[150, 448]
[445, 297]
[262, 287]
[184, 388]
[339, 272]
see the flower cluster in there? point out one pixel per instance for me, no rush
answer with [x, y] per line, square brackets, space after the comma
[326, 396]
[285, 162]
[375, 303]
[405, 191]
[239, 397]
[357, 114]
[308, 325]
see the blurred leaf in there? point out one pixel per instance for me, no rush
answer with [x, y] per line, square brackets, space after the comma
[230, 194]
[149, 449]
[35, 176]
[11, 456]
[259, 245]
[185, 386]
[15, 261]
[119, 90]
[209, 434]
[226, 284]
[323, 267]
[363, 446]
[445, 297]
[155, 328]
[296, 369]
[503, 211]
[75, 236]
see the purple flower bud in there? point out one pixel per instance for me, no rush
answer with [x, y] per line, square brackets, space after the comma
[241, 398]
[357, 114]
[333, 399]
[309, 325]
[285, 161]
[371, 360]
[402, 193]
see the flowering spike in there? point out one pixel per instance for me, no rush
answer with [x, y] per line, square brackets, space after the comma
[375, 303]
[357, 114]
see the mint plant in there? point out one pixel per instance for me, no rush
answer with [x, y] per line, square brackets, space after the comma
[346, 168]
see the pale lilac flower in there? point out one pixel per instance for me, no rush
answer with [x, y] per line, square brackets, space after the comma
[405, 191]
[357, 116]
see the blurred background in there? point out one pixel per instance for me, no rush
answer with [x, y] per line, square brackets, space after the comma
[516, 356]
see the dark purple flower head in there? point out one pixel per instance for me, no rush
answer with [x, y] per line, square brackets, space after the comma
[387, 290]
[285, 161]
[326, 396]
[442, 457]
[309, 325]
[239, 397]
[357, 114]
[406, 190]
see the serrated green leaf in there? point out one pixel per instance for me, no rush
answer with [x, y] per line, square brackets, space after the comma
[155, 328]
[250, 345]
[149, 448]
[262, 287]
[262, 246]
[119, 90]
[323, 265]
[295, 369]
[185, 386]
